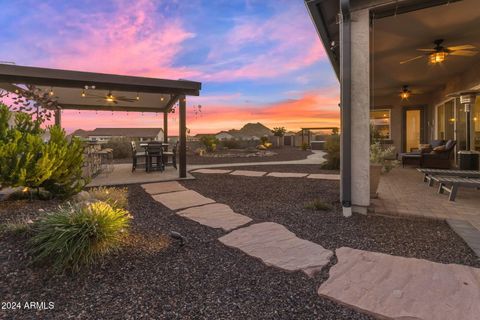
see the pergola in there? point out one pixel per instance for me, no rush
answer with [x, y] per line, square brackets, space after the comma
[78, 90]
[304, 130]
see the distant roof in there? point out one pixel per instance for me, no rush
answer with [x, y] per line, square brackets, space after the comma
[88, 90]
[120, 132]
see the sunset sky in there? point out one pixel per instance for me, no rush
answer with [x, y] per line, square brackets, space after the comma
[258, 61]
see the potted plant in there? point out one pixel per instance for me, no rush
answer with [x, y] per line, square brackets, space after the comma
[382, 160]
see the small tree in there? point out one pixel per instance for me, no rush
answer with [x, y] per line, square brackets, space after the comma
[279, 131]
[210, 143]
[332, 147]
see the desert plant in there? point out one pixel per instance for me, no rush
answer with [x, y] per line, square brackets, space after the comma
[305, 146]
[231, 144]
[116, 197]
[78, 235]
[279, 131]
[332, 147]
[122, 148]
[17, 227]
[26, 160]
[383, 155]
[318, 205]
[210, 143]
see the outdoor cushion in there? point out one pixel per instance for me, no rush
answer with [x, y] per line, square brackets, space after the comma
[439, 149]
[449, 144]
[436, 143]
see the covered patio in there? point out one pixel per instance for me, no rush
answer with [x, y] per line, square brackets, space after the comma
[402, 66]
[76, 90]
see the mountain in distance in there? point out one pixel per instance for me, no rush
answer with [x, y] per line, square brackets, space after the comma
[250, 130]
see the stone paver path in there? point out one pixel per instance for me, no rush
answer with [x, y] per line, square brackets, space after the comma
[287, 174]
[403, 288]
[163, 187]
[248, 173]
[215, 215]
[182, 199]
[324, 176]
[276, 246]
[212, 171]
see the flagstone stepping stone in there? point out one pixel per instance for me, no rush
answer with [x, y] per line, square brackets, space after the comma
[248, 173]
[215, 215]
[163, 187]
[287, 174]
[324, 176]
[403, 288]
[182, 199]
[211, 171]
[276, 246]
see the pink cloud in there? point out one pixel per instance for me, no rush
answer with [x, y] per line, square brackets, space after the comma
[131, 38]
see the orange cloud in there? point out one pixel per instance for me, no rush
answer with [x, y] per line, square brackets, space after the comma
[311, 110]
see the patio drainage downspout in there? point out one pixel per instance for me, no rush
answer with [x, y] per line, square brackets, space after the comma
[346, 103]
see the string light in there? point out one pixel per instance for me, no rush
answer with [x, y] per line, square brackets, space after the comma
[162, 98]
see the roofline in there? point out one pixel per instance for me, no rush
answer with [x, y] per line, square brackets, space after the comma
[79, 79]
[318, 20]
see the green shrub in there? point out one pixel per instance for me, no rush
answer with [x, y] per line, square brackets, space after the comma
[279, 131]
[27, 161]
[78, 235]
[231, 144]
[210, 143]
[332, 147]
[305, 146]
[116, 197]
[122, 148]
[384, 156]
[17, 227]
[318, 205]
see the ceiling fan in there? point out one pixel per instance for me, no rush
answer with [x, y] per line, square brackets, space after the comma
[109, 97]
[439, 53]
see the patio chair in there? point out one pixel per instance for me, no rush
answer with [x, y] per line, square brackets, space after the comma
[415, 157]
[451, 184]
[154, 155]
[136, 155]
[439, 159]
[171, 155]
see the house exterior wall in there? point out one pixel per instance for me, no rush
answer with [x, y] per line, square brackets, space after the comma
[360, 108]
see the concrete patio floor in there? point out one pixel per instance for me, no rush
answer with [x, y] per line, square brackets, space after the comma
[403, 192]
[122, 174]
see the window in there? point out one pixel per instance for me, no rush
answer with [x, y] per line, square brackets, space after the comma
[380, 123]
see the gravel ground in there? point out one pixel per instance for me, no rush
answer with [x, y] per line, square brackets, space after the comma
[282, 154]
[302, 168]
[207, 280]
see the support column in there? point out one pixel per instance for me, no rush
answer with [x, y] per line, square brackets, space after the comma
[360, 110]
[165, 127]
[182, 104]
[58, 117]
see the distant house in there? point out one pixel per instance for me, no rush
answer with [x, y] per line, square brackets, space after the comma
[224, 135]
[106, 134]
[199, 136]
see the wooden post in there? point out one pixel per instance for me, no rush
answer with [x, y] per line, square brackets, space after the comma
[165, 127]
[58, 117]
[183, 137]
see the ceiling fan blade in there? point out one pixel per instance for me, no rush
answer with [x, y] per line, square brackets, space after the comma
[463, 47]
[464, 53]
[126, 99]
[90, 95]
[427, 50]
[412, 59]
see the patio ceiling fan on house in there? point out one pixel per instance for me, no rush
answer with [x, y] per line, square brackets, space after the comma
[109, 97]
[439, 53]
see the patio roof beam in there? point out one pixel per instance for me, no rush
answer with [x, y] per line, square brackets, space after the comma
[110, 108]
[396, 8]
[101, 81]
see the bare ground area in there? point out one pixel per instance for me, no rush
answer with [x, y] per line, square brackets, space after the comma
[205, 279]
